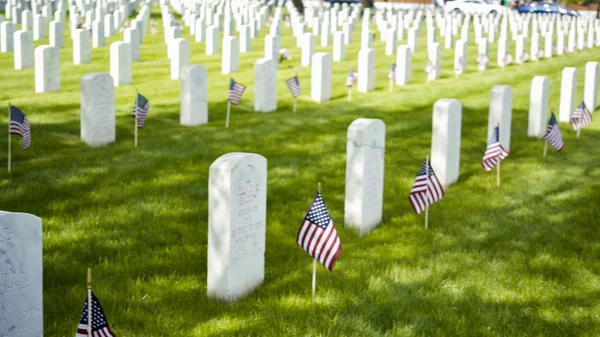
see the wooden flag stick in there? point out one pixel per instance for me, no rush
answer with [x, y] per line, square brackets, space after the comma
[135, 120]
[545, 148]
[89, 302]
[228, 110]
[294, 105]
[9, 136]
[427, 194]
[578, 130]
[314, 279]
[350, 94]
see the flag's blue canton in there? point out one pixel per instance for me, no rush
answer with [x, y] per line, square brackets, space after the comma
[318, 214]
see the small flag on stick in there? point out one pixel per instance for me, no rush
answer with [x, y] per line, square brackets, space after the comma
[350, 83]
[99, 326]
[392, 76]
[581, 117]
[426, 190]
[553, 135]
[294, 86]
[19, 125]
[236, 90]
[317, 234]
[140, 109]
[494, 152]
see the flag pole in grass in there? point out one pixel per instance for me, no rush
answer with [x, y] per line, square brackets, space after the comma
[228, 111]
[426, 190]
[135, 119]
[8, 136]
[314, 279]
[427, 195]
[89, 301]
[236, 90]
[500, 161]
[391, 76]
[545, 148]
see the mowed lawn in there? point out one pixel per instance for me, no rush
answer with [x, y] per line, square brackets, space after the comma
[519, 260]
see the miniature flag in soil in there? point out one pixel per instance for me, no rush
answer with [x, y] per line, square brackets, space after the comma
[494, 152]
[507, 59]
[100, 326]
[426, 189]
[294, 86]
[392, 73]
[317, 235]
[581, 117]
[350, 79]
[140, 109]
[19, 125]
[483, 60]
[284, 54]
[236, 90]
[553, 135]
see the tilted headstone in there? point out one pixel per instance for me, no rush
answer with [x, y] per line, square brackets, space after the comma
[23, 42]
[47, 69]
[21, 275]
[568, 94]
[366, 70]
[538, 106]
[265, 85]
[501, 113]
[237, 209]
[194, 95]
[403, 65]
[120, 63]
[445, 140]
[81, 47]
[590, 87]
[230, 57]
[97, 109]
[180, 56]
[212, 40]
[365, 154]
[320, 81]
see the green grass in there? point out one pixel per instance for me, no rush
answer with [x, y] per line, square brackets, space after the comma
[520, 260]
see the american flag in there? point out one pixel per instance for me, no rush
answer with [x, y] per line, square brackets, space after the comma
[140, 109]
[507, 59]
[429, 67]
[581, 117]
[524, 57]
[100, 326]
[553, 135]
[19, 125]
[426, 190]
[317, 235]
[294, 86]
[392, 73]
[236, 90]
[483, 60]
[494, 152]
[284, 54]
[350, 79]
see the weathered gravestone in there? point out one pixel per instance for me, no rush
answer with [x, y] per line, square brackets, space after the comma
[23, 49]
[120, 63]
[194, 95]
[320, 85]
[538, 106]
[97, 109]
[365, 154]
[445, 140]
[237, 209]
[21, 294]
[265, 85]
[47, 69]
[500, 113]
[568, 93]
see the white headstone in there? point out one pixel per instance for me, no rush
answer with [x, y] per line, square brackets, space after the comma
[120, 63]
[460, 57]
[237, 209]
[98, 39]
[180, 56]
[21, 270]
[272, 44]
[308, 48]
[194, 95]
[538, 106]
[109, 28]
[132, 37]
[245, 41]
[212, 40]
[27, 17]
[39, 27]
[434, 62]
[535, 47]
[81, 47]
[590, 88]
[200, 30]
[366, 70]
[365, 154]
[403, 65]
[339, 48]
[57, 34]
[7, 32]
[366, 40]
[413, 39]
[520, 50]
[320, 82]
[97, 109]
[265, 85]
[445, 140]
[230, 57]
[23, 42]
[502, 50]
[548, 45]
[390, 42]
[484, 51]
[501, 113]
[568, 94]
[325, 34]
[47, 69]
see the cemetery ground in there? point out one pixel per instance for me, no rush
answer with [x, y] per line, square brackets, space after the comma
[519, 260]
